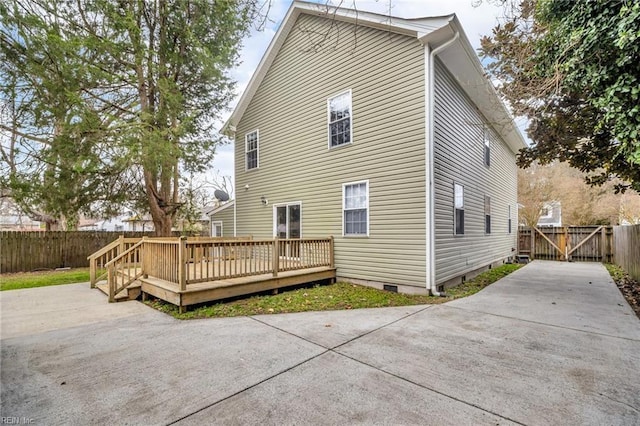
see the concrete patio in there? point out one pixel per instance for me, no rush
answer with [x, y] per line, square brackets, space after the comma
[553, 343]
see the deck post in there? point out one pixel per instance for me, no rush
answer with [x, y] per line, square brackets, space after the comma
[120, 245]
[331, 253]
[275, 256]
[182, 267]
[111, 284]
[143, 266]
[92, 272]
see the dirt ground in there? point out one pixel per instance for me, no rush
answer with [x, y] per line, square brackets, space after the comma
[630, 289]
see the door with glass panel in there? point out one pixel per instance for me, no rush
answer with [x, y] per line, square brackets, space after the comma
[287, 226]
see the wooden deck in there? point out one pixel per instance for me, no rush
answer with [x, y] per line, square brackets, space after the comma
[186, 272]
[221, 289]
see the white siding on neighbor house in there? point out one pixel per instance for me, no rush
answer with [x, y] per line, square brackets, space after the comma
[226, 217]
[385, 73]
[459, 158]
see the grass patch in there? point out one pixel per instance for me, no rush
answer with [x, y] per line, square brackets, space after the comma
[331, 297]
[42, 279]
[481, 281]
[617, 273]
[337, 296]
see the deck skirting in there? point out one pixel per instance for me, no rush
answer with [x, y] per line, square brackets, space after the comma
[222, 289]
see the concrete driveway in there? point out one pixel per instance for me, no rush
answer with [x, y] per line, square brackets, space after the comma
[554, 343]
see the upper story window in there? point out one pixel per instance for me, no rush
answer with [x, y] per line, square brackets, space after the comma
[339, 115]
[487, 147]
[458, 202]
[251, 150]
[355, 207]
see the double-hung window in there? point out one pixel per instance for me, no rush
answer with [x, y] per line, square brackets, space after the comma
[251, 150]
[487, 214]
[487, 147]
[458, 216]
[355, 208]
[339, 114]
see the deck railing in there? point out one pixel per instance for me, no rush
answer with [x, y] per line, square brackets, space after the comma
[185, 261]
[99, 259]
[125, 268]
[211, 260]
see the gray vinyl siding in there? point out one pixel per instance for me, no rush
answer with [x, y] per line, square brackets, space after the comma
[459, 158]
[385, 73]
[226, 217]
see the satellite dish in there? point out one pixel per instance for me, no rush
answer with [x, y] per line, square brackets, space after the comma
[221, 195]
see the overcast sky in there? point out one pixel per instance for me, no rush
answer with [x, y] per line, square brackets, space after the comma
[477, 20]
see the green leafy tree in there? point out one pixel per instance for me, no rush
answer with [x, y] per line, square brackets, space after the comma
[572, 69]
[133, 91]
[53, 149]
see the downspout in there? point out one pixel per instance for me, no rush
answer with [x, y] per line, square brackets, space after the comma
[429, 148]
[235, 203]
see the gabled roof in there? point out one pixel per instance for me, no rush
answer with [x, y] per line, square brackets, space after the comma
[459, 58]
[221, 208]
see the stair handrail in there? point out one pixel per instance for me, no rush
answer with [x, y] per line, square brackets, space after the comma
[93, 257]
[111, 269]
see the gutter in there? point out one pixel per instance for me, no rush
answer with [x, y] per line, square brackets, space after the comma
[429, 148]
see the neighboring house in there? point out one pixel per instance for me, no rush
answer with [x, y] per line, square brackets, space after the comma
[551, 214]
[12, 218]
[222, 220]
[387, 137]
[126, 222]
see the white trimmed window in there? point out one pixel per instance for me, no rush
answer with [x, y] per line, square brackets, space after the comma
[251, 150]
[339, 115]
[458, 207]
[487, 214]
[487, 147]
[355, 208]
[216, 228]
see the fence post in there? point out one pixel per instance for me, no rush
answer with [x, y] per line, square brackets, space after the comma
[533, 243]
[275, 256]
[182, 266]
[603, 245]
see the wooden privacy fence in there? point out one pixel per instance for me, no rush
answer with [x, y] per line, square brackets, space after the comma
[34, 250]
[627, 249]
[568, 243]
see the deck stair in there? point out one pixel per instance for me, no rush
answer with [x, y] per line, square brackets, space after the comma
[188, 271]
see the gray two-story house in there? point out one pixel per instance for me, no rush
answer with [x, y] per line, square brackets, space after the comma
[384, 133]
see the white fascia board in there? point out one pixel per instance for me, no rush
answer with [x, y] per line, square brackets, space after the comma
[411, 27]
[288, 21]
[221, 208]
[464, 64]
